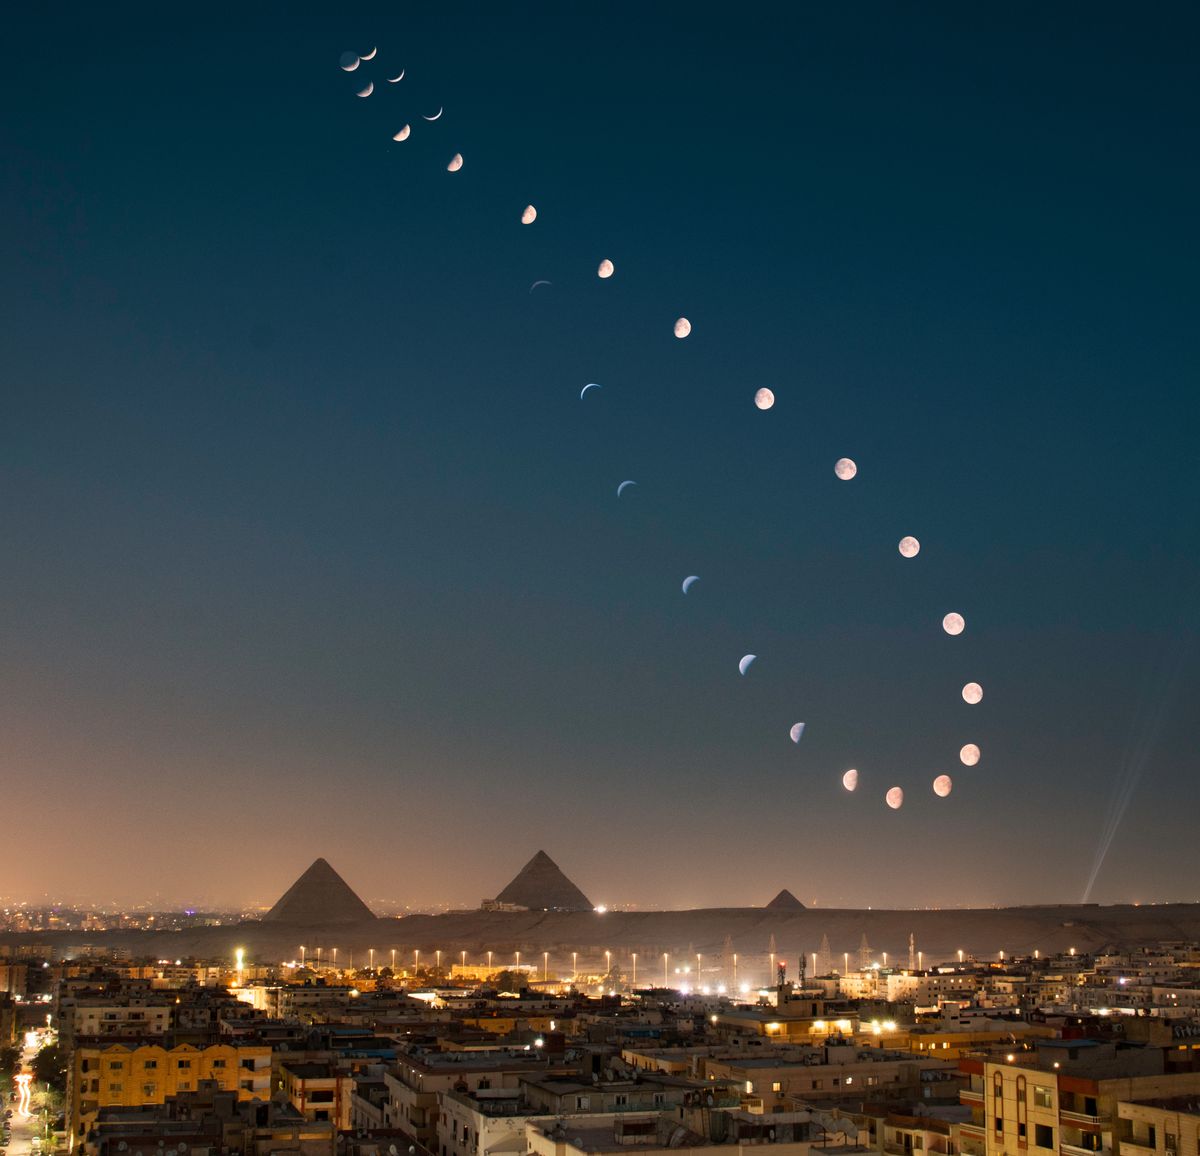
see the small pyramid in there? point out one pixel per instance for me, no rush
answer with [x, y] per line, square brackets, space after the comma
[541, 886]
[318, 897]
[785, 901]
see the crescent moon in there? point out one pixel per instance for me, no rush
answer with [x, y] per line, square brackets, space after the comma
[354, 63]
[744, 663]
[796, 731]
[621, 487]
[370, 55]
[590, 384]
[537, 283]
[403, 133]
[687, 582]
[368, 90]
[396, 79]
[436, 115]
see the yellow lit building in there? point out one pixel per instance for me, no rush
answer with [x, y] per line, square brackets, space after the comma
[124, 1075]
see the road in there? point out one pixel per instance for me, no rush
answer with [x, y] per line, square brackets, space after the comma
[25, 1127]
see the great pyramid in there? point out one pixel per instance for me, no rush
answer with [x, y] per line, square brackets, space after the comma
[318, 897]
[785, 901]
[541, 886]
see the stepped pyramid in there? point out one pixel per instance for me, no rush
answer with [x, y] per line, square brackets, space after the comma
[785, 901]
[541, 886]
[318, 897]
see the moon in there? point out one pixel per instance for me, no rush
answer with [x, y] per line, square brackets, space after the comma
[909, 546]
[621, 487]
[744, 663]
[349, 61]
[850, 779]
[972, 693]
[796, 731]
[605, 270]
[687, 582]
[942, 786]
[969, 755]
[403, 133]
[845, 468]
[682, 327]
[396, 79]
[528, 215]
[370, 55]
[590, 384]
[455, 163]
[895, 798]
[537, 283]
[368, 90]
[954, 623]
[436, 116]
[764, 399]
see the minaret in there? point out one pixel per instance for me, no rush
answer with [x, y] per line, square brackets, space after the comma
[912, 952]
[864, 954]
[826, 953]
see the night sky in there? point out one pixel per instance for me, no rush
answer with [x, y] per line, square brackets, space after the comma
[310, 546]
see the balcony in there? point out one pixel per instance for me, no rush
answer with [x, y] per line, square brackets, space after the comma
[969, 1096]
[1080, 1118]
[1075, 1150]
[973, 1130]
[1136, 1148]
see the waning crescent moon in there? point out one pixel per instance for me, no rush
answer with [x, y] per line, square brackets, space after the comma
[396, 79]
[370, 55]
[436, 115]
[796, 731]
[621, 487]
[687, 582]
[744, 662]
[352, 64]
[590, 384]
[403, 133]
[537, 283]
[368, 90]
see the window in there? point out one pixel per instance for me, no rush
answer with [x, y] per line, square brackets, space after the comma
[818, 1085]
[1043, 1135]
[999, 1125]
[218, 1063]
[583, 1103]
[1042, 1097]
[659, 1099]
[1171, 1141]
[150, 1065]
[148, 1090]
[114, 1088]
[1152, 1141]
[1021, 1133]
[622, 1099]
[777, 1086]
[117, 1065]
[184, 1063]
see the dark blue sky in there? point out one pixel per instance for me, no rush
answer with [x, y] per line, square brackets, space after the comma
[310, 546]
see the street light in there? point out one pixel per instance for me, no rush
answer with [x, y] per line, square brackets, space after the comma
[545, 966]
[666, 964]
[633, 982]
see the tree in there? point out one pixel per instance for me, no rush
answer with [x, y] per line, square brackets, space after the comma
[50, 1067]
[10, 1059]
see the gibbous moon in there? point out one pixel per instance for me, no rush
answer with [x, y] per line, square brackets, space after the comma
[850, 779]
[606, 268]
[370, 55]
[764, 399]
[368, 90]
[796, 731]
[689, 580]
[744, 662]
[436, 116]
[403, 133]
[895, 798]
[682, 327]
[621, 487]
[954, 623]
[396, 79]
[969, 755]
[455, 163]
[909, 546]
[845, 468]
[942, 786]
[349, 61]
[528, 215]
[972, 693]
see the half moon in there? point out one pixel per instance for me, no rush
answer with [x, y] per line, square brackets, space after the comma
[954, 623]
[368, 90]
[764, 399]
[972, 693]
[744, 663]
[590, 384]
[403, 134]
[796, 731]
[605, 270]
[528, 215]
[621, 487]
[909, 547]
[395, 79]
[942, 786]
[969, 755]
[455, 164]
[845, 468]
[850, 779]
[370, 55]
[689, 580]
[895, 798]
[682, 327]
[436, 115]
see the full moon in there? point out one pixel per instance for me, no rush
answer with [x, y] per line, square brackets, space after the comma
[845, 468]
[682, 328]
[895, 798]
[954, 623]
[529, 215]
[942, 786]
[909, 546]
[850, 779]
[764, 399]
[606, 268]
[972, 693]
[969, 755]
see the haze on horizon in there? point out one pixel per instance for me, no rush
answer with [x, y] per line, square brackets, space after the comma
[311, 549]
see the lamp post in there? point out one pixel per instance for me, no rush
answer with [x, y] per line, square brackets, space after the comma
[666, 965]
[633, 982]
[574, 966]
[735, 972]
[371, 957]
[545, 966]
[302, 955]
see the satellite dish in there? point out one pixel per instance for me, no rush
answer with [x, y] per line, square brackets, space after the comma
[122, 1146]
[182, 1147]
[391, 1150]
